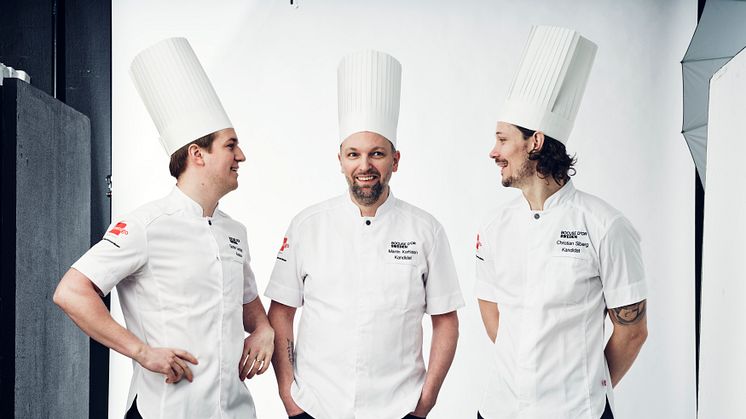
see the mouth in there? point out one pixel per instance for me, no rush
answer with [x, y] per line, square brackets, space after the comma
[366, 178]
[502, 164]
[234, 170]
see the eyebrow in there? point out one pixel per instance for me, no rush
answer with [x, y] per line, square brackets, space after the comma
[376, 148]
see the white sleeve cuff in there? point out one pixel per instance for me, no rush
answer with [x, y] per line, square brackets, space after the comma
[632, 293]
[444, 304]
[283, 295]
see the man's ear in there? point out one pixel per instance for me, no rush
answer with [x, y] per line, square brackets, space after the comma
[537, 142]
[397, 156]
[195, 155]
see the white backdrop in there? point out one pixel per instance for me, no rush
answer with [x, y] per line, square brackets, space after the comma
[274, 66]
[722, 366]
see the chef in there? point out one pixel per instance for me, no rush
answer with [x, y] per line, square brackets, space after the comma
[553, 260]
[365, 267]
[180, 264]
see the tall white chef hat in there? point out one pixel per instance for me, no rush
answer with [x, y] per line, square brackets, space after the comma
[551, 79]
[368, 92]
[177, 93]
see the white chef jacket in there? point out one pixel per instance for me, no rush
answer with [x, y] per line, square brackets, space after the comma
[553, 274]
[364, 284]
[182, 280]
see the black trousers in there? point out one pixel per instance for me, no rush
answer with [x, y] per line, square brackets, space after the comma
[307, 416]
[133, 413]
[606, 415]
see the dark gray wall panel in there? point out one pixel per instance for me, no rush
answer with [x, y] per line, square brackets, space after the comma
[88, 90]
[87, 83]
[66, 47]
[52, 220]
[27, 32]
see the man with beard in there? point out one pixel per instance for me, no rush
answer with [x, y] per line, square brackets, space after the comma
[365, 267]
[180, 264]
[550, 262]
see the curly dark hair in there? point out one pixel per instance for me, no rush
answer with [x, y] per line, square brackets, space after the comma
[552, 160]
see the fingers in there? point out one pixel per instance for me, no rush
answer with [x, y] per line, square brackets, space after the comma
[176, 368]
[264, 366]
[184, 368]
[245, 369]
[252, 365]
[244, 366]
[261, 363]
[172, 375]
[186, 355]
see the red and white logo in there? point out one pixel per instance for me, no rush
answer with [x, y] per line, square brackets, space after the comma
[479, 244]
[118, 229]
[285, 244]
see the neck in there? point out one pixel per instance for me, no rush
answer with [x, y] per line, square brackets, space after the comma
[370, 210]
[200, 192]
[538, 190]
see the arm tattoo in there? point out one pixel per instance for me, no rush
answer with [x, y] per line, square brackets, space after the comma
[291, 352]
[630, 314]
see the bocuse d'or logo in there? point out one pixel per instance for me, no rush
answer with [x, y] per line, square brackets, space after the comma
[119, 229]
[284, 246]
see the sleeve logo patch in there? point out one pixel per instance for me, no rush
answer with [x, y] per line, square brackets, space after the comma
[119, 229]
[285, 244]
[479, 244]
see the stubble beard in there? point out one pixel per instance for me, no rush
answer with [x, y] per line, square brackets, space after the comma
[520, 178]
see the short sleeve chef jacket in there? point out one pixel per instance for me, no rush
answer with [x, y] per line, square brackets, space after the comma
[182, 280]
[553, 274]
[364, 284]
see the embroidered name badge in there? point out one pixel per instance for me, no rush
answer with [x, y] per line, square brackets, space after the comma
[405, 251]
[572, 243]
[234, 246]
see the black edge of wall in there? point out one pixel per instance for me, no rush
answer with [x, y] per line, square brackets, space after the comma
[699, 220]
[58, 49]
[8, 246]
[86, 60]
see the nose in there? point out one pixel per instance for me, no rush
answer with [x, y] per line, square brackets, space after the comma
[239, 156]
[495, 152]
[364, 163]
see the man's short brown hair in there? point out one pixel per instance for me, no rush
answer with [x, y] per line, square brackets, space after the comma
[178, 162]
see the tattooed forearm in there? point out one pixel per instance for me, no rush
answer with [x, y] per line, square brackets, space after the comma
[291, 352]
[630, 314]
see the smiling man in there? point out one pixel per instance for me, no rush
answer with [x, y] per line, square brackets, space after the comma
[180, 265]
[552, 262]
[365, 267]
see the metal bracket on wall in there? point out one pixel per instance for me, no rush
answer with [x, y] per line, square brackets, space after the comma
[11, 73]
[108, 186]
